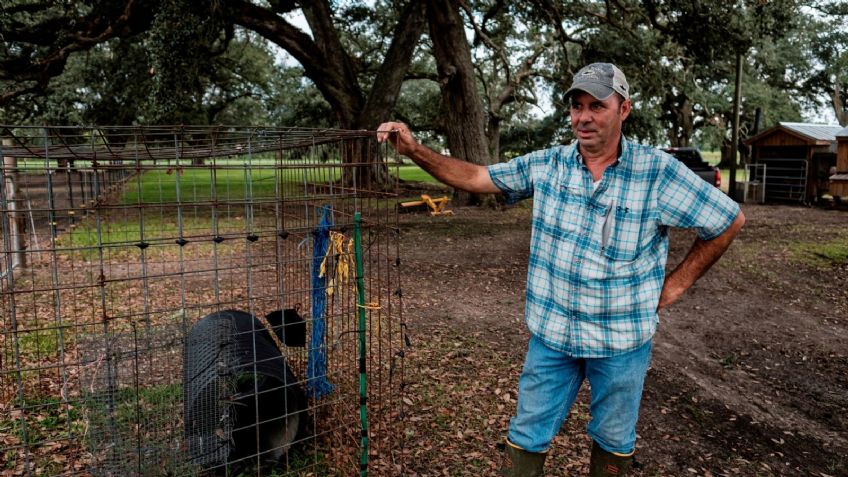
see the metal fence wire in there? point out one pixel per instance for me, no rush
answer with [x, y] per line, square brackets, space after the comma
[183, 301]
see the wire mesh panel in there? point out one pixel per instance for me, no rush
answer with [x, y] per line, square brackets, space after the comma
[183, 301]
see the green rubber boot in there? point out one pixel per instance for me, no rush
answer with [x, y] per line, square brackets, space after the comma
[607, 464]
[521, 463]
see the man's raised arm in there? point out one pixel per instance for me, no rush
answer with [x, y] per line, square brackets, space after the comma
[702, 255]
[453, 172]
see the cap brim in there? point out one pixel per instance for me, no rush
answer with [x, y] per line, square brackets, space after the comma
[598, 91]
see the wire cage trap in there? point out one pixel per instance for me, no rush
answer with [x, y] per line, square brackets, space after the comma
[198, 301]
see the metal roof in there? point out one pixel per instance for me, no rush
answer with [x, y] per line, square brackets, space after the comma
[818, 132]
[842, 133]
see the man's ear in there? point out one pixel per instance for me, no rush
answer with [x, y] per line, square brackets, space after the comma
[624, 109]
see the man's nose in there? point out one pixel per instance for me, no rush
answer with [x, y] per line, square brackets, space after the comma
[582, 116]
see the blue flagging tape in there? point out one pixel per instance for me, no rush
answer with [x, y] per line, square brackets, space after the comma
[317, 384]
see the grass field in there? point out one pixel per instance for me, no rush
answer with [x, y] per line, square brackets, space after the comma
[414, 173]
[197, 184]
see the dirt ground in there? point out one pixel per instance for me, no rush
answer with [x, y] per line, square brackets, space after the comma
[749, 374]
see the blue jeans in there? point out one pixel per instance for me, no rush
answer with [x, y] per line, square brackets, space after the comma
[549, 385]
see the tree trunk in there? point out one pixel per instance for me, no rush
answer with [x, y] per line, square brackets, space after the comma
[687, 126]
[493, 136]
[840, 109]
[464, 119]
[679, 112]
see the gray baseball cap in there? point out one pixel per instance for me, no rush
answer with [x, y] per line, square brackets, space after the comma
[600, 80]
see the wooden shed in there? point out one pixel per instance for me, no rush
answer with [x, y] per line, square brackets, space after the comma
[798, 159]
[839, 181]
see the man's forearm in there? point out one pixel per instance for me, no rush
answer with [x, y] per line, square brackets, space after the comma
[702, 256]
[453, 172]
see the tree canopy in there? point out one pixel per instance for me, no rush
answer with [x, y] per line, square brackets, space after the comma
[487, 74]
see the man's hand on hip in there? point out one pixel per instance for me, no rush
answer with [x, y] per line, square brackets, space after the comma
[702, 255]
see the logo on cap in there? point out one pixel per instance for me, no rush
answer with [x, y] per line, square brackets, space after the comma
[591, 73]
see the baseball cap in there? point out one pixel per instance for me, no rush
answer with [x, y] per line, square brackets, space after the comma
[600, 80]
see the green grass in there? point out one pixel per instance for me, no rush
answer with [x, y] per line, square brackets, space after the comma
[196, 185]
[416, 174]
[712, 157]
[822, 255]
[725, 178]
[120, 418]
[156, 228]
[34, 345]
[48, 422]
[149, 404]
[47, 419]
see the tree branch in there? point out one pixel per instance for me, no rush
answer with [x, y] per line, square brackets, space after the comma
[340, 89]
[500, 53]
[8, 96]
[555, 20]
[81, 34]
[652, 16]
[507, 94]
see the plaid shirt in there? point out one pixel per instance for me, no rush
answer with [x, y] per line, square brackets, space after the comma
[597, 256]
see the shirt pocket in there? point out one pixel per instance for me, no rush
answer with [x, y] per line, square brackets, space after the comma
[560, 211]
[623, 235]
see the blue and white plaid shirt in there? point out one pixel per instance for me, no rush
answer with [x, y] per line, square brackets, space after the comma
[597, 256]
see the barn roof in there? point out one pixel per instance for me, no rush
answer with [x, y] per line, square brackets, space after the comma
[842, 133]
[819, 132]
[815, 133]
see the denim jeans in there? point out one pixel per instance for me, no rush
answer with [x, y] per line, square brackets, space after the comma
[549, 385]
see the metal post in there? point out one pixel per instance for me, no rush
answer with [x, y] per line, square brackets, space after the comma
[17, 221]
[361, 312]
[734, 136]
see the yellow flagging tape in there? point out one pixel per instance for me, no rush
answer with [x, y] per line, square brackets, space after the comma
[375, 325]
[339, 256]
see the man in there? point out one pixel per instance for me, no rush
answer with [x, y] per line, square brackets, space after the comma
[596, 278]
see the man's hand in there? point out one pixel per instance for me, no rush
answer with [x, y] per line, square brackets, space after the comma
[453, 172]
[702, 255]
[671, 292]
[399, 137]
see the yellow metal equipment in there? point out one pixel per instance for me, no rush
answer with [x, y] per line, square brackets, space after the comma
[436, 206]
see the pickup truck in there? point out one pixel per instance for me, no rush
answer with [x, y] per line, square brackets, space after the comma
[692, 159]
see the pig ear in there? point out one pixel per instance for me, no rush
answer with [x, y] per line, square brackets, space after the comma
[294, 330]
[275, 319]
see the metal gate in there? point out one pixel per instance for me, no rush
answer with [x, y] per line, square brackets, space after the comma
[785, 179]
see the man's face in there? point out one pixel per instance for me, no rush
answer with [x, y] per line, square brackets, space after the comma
[597, 123]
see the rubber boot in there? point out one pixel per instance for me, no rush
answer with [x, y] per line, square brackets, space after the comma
[521, 463]
[608, 464]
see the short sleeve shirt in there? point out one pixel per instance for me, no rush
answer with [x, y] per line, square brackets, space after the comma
[598, 255]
